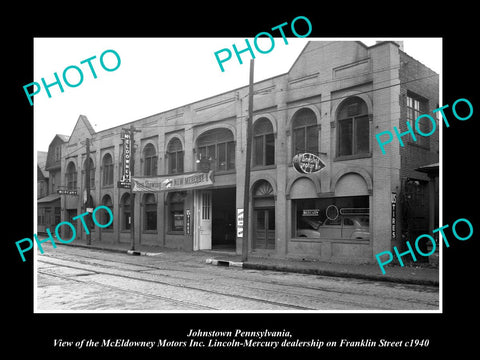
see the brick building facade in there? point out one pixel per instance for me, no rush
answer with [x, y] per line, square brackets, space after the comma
[333, 101]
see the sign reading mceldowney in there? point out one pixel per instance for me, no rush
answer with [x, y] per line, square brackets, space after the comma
[125, 181]
[173, 182]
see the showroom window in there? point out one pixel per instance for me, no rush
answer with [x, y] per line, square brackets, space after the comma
[331, 218]
[176, 202]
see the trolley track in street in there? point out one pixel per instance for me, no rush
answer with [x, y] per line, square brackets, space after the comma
[145, 268]
[323, 294]
[164, 283]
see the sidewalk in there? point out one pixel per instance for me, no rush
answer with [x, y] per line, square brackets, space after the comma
[413, 274]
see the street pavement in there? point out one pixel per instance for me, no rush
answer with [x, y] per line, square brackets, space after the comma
[88, 278]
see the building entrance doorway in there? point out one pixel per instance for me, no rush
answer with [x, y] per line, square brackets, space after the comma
[223, 219]
[264, 227]
[215, 219]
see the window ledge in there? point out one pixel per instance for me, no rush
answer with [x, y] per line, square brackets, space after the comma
[175, 233]
[352, 157]
[264, 167]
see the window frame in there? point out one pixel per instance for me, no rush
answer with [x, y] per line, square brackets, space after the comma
[354, 127]
[306, 129]
[261, 136]
[107, 170]
[213, 147]
[412, 114]
[176, 154]
[150, 161]
[149, 207]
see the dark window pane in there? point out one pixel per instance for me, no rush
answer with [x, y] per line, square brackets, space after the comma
[231, 155]
[362, 135]
[258, 150]
[222, 163]
[345, 137]
[269, 149]
[312, 139]
[299, 140]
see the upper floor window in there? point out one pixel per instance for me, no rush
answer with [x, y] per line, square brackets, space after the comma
[353, 127]
[305, 132]
[107, 165]
[263, 143]
[414, 110]
[218, 147]
[58, 153]
[71, 176]
[175, 156]
[149, 160]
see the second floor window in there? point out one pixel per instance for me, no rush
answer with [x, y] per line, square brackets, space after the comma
[107, 165]
[149, 160]
[263, 143]
[353, 127]
[305, 132]
[175, 156]
[218, 146]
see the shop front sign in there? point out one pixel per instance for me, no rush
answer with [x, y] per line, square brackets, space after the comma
[173, 182]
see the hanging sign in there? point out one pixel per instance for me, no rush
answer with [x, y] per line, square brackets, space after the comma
[125, 179]
[307, 163]
[240, 223]
[173, 182]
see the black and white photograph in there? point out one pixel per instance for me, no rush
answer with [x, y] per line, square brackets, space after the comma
[323, 199]
[281, 187]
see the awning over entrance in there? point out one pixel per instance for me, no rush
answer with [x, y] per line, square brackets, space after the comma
[430, 170]
[48, 198]
[173, 182]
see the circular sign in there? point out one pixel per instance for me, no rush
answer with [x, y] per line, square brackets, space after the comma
[332, 212]
[307, 163]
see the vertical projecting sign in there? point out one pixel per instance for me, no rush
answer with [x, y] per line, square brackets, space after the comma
[394, 215]
[125, 180]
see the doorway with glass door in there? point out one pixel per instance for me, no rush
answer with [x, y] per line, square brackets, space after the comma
[216, 226]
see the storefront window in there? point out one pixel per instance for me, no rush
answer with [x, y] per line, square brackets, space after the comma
[332, 218]
[176, 211]
[125, 204]
[150, 211]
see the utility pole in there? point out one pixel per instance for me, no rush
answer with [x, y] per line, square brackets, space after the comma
[246, 193]
[87, 186]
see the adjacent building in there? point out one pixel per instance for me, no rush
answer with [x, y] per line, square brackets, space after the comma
[189, 162]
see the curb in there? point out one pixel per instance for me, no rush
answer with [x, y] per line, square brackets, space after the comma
[225, 263]
[322, 272]
[281, 268]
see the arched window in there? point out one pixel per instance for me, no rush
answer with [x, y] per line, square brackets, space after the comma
[92, 173]
[263, 143]
[107, 164]
[125, 216]
[305, 132]
[353, 127]
[106, 201]
[71, 176]
[150, 212]
[175, 156]
[218, 146]
[149, 160]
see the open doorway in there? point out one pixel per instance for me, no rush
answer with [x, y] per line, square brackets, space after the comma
[223, 219]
